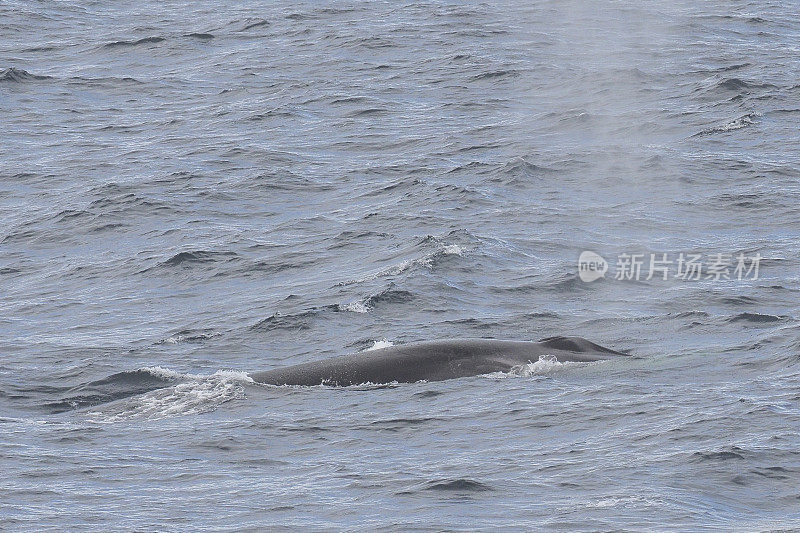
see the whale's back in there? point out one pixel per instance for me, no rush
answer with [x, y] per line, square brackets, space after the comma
[432, 361]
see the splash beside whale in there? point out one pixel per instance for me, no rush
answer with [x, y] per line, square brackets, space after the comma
[434, 361]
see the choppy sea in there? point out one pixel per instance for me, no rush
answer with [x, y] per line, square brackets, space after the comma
[192, 191]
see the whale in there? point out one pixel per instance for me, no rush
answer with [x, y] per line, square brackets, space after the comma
[434, 361]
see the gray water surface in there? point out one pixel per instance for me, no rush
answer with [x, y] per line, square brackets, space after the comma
[193, 191]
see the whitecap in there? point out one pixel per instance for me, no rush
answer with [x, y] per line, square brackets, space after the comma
[546, 364]
[377, 345]
[355, 307]
[424, 261]
[195, 394]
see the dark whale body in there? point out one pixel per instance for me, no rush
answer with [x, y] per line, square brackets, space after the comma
[433, 361]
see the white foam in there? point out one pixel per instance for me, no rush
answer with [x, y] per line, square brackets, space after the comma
[355, 307]
[377, 345]
[196, 394]
[163, 373]
[396, 269]
[608, 502]
[423, 261]
[236, 375]
[736, 124]
[546, 364]
[623, 501]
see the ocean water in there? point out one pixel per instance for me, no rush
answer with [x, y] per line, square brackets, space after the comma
[193, 191]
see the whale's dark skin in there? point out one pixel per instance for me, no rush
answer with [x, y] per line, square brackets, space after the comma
[433, 361]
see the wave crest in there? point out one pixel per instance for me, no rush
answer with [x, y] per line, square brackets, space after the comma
[192, 395]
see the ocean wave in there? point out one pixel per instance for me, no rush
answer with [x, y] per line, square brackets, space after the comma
[354, 238]
[738, 84]
[254, 24]
[733, 125]
[190, 336]
[18, 75]
[428, 260]
[125, 44]
[303, 320]
[201, 36]
[726, 454]
[377, 345]
[369, 112]
[113, 387]
[125, 205]
[351, 100]
[757, 318]
[519, 171]
[507, 73]
[355, 307]
[388, 296]
[457, 485]
[565, 282]
[547, 363]
[105, 81]
[744, 200]
[294, 321]
[194, 394]
[198, 256]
